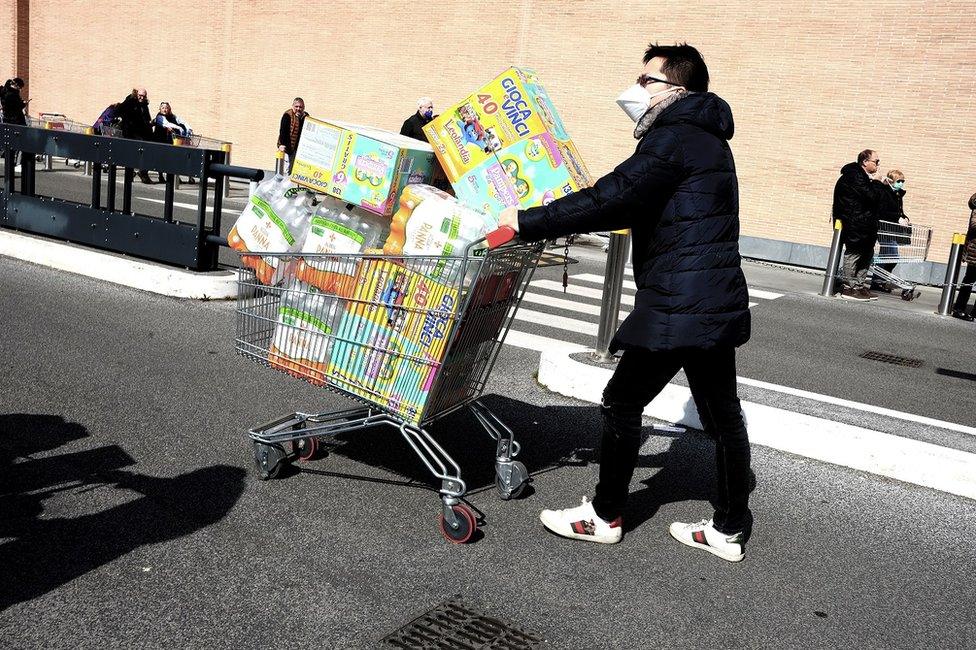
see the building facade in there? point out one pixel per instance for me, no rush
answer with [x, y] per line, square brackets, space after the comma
[810, 84]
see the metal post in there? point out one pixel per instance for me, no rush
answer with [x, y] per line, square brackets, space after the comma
[110, 189]
[280, 163]
[88, 168]
[168, 198]
[48, 162]
[612, 288]
[226, 149]
[952, 273]
[27, 172]
[9, 156]
[833, 259]
[96, 193]
[127, 190]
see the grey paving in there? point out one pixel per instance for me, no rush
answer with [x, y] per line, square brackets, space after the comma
[130, 517]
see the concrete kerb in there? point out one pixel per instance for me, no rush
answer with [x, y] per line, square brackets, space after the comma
[911, 461]
[119, 269]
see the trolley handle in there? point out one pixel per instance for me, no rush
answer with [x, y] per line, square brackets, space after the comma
[500, 236]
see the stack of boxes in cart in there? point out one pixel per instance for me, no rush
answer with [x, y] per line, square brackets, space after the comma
[372, 275]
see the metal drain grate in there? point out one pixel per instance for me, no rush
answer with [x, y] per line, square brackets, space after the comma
[893, 359]
[454, 626]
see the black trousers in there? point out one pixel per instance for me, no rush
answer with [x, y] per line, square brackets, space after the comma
[640, 376]
[962, 298]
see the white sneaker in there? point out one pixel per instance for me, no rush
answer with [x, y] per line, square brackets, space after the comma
[583, 523]
[703, 535]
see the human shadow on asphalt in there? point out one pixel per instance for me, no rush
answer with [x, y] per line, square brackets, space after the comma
[41, 554]
[551, 437]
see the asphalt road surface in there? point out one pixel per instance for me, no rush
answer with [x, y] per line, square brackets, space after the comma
[130, 514]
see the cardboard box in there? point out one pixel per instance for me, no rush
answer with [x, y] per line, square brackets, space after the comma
[360, 165]
[505, 145]
[392, 338]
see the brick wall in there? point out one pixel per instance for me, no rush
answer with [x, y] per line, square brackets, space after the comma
[810, 84]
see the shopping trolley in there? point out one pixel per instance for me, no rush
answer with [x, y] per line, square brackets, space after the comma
[59, 122]
[899, 244]
[198, 141]
[412, 338]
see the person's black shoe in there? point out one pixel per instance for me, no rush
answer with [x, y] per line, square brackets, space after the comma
[144, 177]
[961, 315]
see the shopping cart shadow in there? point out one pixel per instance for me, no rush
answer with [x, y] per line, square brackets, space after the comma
[552, 437]
[40, 554]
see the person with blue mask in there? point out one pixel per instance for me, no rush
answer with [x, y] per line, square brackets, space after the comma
[894, 228]
[413, 126]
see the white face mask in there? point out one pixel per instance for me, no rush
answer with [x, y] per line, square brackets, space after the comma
[635, 101]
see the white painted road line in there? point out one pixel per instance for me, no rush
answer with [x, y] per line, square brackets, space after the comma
[629, 284]
[569, 305]
[859, 406]
[599, 279]
[763, 295]
[912, 461]
[585, 292]
[559, 322]
[539, 343]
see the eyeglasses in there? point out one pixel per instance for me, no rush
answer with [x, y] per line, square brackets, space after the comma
[646, 79]
[876, 161]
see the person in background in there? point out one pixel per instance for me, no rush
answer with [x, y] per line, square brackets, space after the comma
[959, 309]
[136, 123]
[894, 228]
[12, 103]
[413, 126]
[167, 126]
[109, 117]
[12, 106]
[290, 131]
[857, 195]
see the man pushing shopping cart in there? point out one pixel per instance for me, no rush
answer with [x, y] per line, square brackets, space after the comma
[678, 194]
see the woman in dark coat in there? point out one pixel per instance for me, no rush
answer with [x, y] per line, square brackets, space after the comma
[960, 308]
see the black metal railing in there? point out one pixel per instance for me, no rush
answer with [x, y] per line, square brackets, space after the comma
[102, 223]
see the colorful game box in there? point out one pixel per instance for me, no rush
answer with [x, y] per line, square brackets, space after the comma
[391, 340]
[360, 165]
[506, 145]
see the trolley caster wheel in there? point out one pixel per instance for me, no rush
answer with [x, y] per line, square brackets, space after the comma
[518, 478]
[305, 449]
[268, 459]
[464, 525]
[910, 294]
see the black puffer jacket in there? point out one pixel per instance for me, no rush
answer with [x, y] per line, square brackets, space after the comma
[679, 195]
[12, 104]
[134, 114]
[413, 127]
[857, 204]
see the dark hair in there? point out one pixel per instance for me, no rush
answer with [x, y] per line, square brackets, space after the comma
[864, 156]
[298, 99]
[19, 82]
[683, 65]
[972, 202]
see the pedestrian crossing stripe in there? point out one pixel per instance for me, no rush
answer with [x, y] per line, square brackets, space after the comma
[629, 284]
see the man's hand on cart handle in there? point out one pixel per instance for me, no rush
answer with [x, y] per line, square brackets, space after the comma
[509, 217]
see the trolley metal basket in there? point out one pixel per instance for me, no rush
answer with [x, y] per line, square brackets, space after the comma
[412, 338]
[899, 244]
[198, 141]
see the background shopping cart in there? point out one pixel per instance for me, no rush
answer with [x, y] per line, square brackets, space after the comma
[899, 244]
[412, 338]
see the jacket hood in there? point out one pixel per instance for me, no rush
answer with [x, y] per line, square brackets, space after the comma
[705, 110]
